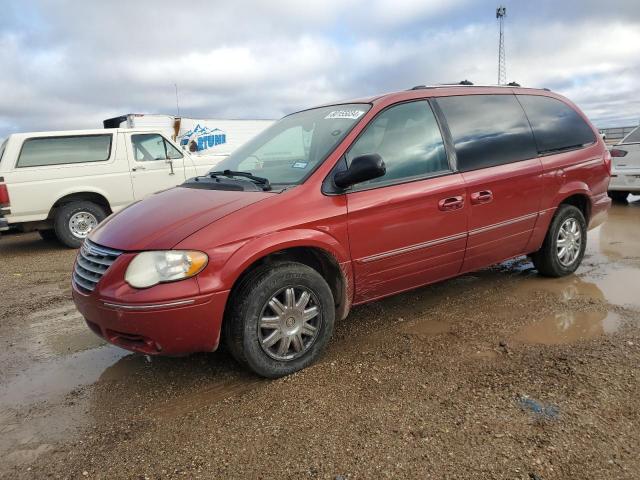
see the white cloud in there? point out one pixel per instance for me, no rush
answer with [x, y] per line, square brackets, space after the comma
[69, 64]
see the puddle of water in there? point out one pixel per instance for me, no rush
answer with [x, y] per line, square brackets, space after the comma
[614, 284]
[59, 331]
[569, 327]
[619, 286]
[619, 237]
[565, 288]
[56, 378]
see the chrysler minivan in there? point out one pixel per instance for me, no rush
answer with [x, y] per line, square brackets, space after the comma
[341, 205]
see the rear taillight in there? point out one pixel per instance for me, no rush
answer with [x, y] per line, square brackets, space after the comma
[607, 161]
[617, 152]
[4, 196]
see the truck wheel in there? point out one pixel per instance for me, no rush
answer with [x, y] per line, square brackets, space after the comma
[618, 197]
[280, 319]
[48, 235]
[74, 221]
[564, 245]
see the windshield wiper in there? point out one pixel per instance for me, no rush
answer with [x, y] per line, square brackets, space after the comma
[263, 182]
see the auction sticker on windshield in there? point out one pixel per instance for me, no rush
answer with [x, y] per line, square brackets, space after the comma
[347, 114]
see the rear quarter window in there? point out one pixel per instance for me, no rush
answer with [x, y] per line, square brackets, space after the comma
[556, 126]
[43, 151]
[488, 130]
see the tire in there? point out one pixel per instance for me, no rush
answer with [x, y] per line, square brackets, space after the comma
[547, 260]
[48, 235]
[73, 237]
[250, 302]
[618, 197]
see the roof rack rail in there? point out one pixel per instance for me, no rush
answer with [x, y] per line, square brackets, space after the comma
[467, 83]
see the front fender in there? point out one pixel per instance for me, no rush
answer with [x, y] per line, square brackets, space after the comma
[219, 277]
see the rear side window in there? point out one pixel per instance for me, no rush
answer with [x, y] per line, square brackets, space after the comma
[555, 124]
[38, 152]
[633, 137]
[408, 139]
[488, 130]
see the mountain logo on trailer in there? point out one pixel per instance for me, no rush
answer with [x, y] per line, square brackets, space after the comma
[204, 137]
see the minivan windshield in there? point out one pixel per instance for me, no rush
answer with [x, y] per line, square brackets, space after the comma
[287, 152]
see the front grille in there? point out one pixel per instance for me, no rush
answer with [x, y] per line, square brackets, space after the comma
[91, 264]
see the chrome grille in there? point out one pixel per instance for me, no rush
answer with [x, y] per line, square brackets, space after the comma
[91, 264]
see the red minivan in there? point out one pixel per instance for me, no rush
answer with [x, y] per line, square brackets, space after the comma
[340, 205]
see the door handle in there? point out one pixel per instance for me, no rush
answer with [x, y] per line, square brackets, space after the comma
[483, 196]
[135, 169]
[451, 203]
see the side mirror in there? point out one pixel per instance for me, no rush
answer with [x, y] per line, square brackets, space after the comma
[362, 168]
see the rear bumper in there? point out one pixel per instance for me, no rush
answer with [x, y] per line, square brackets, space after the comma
[625, 181]
[175, 327]
[4, 223]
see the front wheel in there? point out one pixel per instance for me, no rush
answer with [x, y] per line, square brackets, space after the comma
[564, 245]
[280, 319]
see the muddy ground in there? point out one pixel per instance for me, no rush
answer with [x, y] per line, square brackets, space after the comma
[497, 374]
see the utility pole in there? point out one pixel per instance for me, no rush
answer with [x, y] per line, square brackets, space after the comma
[501, 12]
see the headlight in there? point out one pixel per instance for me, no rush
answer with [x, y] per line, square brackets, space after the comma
[150, 268]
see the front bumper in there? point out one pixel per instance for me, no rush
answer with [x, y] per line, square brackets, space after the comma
[175, 327]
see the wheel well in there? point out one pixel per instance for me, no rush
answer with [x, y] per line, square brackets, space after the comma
[581, 202]
[81, 196]
[321, 261]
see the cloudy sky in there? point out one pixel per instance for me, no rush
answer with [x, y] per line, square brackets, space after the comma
[72, 63]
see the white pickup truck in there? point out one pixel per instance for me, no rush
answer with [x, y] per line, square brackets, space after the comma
[64, 183]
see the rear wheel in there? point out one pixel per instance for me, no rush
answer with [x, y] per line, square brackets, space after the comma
[619, 197]
[75, 220]
[564, 245]
[280, 319]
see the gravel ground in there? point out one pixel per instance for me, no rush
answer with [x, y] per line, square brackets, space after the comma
[497, 374]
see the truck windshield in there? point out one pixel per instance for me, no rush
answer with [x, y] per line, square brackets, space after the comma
[287, 152]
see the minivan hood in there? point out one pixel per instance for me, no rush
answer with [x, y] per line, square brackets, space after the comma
[165, 218]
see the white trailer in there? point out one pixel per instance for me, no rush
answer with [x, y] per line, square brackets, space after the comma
[211, 139]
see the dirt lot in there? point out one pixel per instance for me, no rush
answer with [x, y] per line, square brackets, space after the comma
[498, 374]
